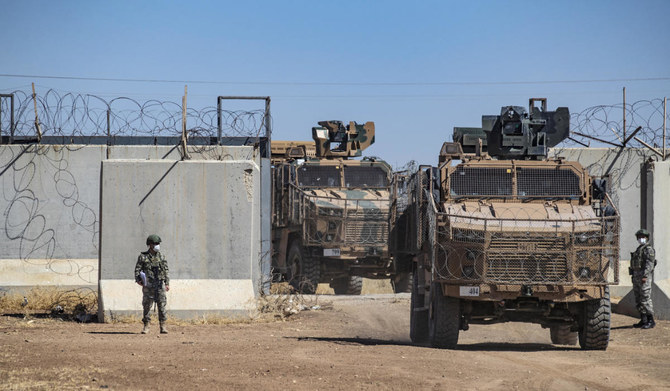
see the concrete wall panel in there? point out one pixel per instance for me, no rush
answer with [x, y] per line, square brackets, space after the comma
[206, 212]
[626, 173]
[660, 218]
[50, 202]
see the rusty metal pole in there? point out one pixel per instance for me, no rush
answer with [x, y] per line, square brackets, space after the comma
[665, 101]
[10, 133]
[184, 154]
[268, 128]
[11, 119]
[624, 114]
[109, 134]
[37, 121]
[218, 119]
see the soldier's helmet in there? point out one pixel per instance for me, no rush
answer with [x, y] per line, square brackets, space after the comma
[642, 232]
[153, 239]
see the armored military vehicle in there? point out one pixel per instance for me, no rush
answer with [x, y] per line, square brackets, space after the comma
[332, 214]
[501, 233]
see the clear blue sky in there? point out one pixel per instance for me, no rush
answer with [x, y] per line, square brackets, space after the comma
[454, 55]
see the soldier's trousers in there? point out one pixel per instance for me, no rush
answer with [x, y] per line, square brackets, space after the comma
[149, 298]
[642, 293]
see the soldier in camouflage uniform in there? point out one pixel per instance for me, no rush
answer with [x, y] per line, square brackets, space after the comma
[155, 283]
[642, 263]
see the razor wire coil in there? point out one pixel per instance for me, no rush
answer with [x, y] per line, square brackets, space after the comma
[70, 114]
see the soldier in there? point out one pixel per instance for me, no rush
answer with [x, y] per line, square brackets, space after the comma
[151, 271]
[642, 263]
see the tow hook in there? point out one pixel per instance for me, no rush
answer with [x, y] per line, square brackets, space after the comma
[526, 290]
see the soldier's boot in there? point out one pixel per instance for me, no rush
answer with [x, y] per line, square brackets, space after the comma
[163, 328]
[642, 322]
[650, 322]
[145, 330]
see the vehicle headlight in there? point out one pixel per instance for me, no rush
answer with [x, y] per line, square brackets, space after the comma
[584, 272]
[468, 271]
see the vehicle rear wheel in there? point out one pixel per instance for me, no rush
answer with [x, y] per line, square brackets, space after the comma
[402, 282]
[303, 272]
[561, 335]
[418, 320]
[352, 285]
[444, 320]
[594, 332]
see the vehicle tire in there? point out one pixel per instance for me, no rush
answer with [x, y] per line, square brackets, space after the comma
[352, 285]
[561, 335]
[594, 333]
[418, 320]
[402, 282]
[444, 320]
[303, 272]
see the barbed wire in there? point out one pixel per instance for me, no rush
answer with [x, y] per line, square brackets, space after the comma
[71, 114]
[606, 123]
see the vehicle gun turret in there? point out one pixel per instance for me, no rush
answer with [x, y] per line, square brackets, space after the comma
[334, 139]
[331, 139]
[515, 133]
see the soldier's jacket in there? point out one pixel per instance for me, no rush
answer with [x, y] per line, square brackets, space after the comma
[154, 266]
[643, 260]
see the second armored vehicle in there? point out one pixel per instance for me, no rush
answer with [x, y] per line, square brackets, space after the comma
[518, 238]
[332, 214]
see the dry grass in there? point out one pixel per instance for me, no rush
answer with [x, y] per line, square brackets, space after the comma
[59, 302]
[283, 302]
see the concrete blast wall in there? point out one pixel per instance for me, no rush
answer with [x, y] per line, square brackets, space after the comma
[657, 216]
[212, 212]
[208, 215]
[50, 206]
[640, 192]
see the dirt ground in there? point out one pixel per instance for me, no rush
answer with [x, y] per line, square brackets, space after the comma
[348, 343]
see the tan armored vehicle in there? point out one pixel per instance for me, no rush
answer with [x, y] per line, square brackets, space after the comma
[500, 234]
[332, 214]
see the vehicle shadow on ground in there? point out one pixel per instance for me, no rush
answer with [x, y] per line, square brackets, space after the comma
[112, 332]
[354, 341]
[488, 346]
[514, 347]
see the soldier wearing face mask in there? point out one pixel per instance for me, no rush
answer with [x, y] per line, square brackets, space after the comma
[642, 263]
[151, 272]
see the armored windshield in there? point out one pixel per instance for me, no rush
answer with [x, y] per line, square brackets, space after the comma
[319, 176]
[365, 177]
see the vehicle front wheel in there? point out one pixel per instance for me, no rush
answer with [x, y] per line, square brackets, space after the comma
[444, 319]
[352, 285]
[594, 331]
[303, 272]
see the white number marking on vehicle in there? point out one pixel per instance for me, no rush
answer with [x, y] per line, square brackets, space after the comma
[469, 291]
[331, 252]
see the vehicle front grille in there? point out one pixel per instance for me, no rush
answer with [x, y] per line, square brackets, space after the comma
[366, 232]
[527, 258]
[525, 268]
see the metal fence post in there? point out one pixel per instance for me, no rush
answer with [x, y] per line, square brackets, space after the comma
[37, 120]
